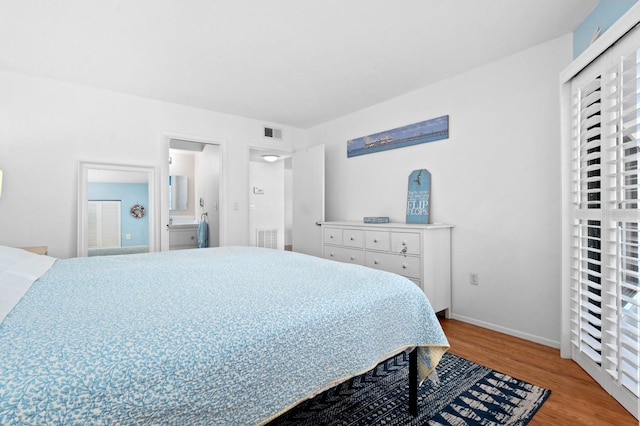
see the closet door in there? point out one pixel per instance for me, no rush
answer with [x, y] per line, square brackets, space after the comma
[605, 130]
[103, 227]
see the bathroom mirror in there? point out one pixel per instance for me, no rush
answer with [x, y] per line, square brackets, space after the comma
[98, 181]
[178, 192]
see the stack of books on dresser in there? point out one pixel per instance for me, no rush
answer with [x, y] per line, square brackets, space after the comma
[376, 219]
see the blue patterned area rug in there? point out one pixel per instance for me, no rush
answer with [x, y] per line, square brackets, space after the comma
[467, 394]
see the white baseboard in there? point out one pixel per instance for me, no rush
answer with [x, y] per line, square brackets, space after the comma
[510, 332]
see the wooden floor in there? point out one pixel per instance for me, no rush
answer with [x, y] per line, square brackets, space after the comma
[576, 399]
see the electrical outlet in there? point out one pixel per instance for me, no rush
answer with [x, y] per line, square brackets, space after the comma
[473, 278]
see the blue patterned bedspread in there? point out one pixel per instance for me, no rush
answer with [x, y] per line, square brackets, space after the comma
[225, 336]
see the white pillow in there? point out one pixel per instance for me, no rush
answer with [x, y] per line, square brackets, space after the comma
[18, 270]
[10, 256]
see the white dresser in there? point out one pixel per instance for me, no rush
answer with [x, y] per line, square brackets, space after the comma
[421, 253]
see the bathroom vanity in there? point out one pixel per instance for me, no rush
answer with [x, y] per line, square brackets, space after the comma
[183, 236]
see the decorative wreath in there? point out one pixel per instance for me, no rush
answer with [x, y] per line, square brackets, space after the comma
[137, 211]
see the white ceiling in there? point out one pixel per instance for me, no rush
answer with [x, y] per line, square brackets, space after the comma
[293, 62]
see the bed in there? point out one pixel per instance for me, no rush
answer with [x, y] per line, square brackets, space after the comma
[232, 335]
[112, 251]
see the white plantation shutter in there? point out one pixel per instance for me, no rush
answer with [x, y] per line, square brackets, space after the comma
[628, 363]
[604, 289]
[624, 142]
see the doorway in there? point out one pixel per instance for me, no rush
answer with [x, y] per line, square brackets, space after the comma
[134, 186]
[270, 198]
[302, 198]
[193, 189]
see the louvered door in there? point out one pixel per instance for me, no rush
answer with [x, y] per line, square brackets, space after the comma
[605, 312]
[103, 227]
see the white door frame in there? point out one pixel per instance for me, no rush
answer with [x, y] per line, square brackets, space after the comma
[152, 181]
[270, 150]
[164, 177]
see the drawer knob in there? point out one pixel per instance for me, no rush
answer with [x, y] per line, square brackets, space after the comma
[352, 238]
[375, 262]
[375, 240]
[404, 266]
[331, 236]
[352, 258]
[193, 237]
[331, 254]
[404, 243]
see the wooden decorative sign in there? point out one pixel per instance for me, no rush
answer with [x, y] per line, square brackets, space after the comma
[425, 131]
[418, 196]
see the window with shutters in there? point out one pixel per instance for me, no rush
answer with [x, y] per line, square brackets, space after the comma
[604, 311]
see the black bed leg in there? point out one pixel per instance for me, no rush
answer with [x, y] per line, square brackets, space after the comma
[413, 382]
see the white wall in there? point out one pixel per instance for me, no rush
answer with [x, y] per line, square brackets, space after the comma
[46, 127]
[497, 178]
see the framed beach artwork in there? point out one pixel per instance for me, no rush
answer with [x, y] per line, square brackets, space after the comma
[413, 134]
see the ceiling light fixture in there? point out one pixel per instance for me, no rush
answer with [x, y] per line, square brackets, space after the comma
[270, 158]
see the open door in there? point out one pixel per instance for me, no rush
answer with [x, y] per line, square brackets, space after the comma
[308, 200]
[198, 160]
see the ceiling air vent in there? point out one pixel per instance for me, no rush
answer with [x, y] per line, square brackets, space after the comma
[272, 133]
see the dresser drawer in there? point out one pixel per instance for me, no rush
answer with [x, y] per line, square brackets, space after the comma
[400, 240]
[332, 236]
[377, 240]
[346, 255]
[407, 266]
[353, 238]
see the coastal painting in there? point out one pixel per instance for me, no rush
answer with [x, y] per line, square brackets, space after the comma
[413, 134]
